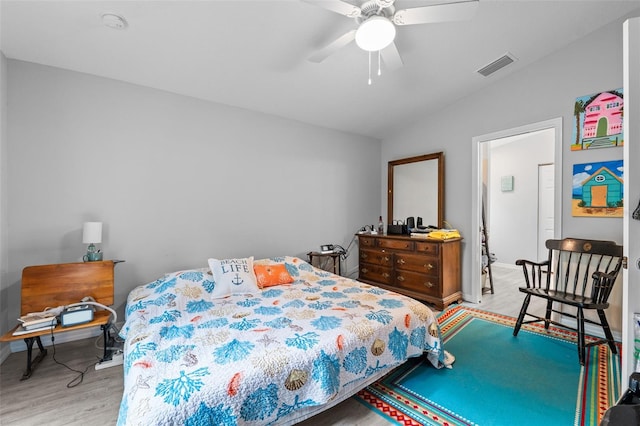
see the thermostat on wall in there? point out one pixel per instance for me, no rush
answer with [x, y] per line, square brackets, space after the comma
[75, 316]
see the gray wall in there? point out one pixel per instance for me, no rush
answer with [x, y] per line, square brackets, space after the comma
[175, 180]
[545, 90]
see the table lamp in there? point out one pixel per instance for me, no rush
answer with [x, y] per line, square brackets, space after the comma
[92, 235]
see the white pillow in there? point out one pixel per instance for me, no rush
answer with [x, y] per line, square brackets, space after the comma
[233, 276]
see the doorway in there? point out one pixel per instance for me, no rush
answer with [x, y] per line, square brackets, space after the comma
[507, 221]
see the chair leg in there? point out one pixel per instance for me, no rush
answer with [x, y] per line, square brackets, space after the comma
[523, 311]
[581, 345]
[547, 314]
[607, 331]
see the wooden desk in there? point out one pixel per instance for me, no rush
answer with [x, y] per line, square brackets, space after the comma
[325, 257]
[50, 286]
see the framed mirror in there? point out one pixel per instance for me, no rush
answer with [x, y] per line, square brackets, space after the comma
[416, 189]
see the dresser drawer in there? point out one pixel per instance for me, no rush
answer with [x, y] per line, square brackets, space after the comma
[427, 248]
[376, 273]
[376, 257]
[417, 263]
[367, 241]
[395, 244]
[421, 283]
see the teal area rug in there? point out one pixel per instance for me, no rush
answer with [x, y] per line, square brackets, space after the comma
[498, 379]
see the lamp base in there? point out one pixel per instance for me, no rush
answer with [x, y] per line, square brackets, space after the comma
[92, 256]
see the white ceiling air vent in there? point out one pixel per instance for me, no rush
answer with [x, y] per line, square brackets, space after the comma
[499, 63]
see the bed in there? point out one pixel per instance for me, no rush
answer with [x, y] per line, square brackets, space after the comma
[276, 356]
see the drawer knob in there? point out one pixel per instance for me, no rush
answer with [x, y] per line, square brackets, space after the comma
[386, 258]
[400, 278]
[428, 266]
[386, 275]
[364, 270]
[401, 261]
[363, 255]
[429, 284]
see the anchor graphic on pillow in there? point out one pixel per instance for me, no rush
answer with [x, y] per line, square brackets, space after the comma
[237, 280]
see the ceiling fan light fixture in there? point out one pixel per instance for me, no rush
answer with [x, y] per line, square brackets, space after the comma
[375, 34]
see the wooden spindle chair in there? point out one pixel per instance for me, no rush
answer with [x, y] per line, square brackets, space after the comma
[577, 274]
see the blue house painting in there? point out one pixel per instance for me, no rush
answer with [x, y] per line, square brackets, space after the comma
[602, 189]
[597, 189]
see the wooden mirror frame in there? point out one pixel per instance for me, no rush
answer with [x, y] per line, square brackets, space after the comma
[439, 156]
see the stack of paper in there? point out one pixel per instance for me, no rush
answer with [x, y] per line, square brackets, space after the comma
[32, 322]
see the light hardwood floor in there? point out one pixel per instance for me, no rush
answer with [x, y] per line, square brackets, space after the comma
[507, 300]
[44, 399]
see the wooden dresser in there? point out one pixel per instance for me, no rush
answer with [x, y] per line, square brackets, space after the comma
[424, 269]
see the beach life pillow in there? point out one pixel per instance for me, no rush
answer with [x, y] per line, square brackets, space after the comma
[271, 275]
[233, 276]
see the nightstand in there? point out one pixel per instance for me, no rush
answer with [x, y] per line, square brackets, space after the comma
[64, 284]
[325, 260]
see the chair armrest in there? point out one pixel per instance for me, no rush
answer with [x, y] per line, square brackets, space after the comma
[602, 285]
[599, 275]
[524, 262]
[533, 272]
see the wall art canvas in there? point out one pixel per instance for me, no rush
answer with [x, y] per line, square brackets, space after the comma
[598, 121]
[597, 189]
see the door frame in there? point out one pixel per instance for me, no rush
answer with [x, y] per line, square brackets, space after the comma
[475, 295]
[631, 227]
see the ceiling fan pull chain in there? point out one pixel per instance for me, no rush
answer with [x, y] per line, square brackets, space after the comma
[379, 70]
[369, 68]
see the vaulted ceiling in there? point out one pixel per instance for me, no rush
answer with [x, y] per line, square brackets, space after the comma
[254, 54]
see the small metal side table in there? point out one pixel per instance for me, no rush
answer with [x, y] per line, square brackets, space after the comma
[323, 259]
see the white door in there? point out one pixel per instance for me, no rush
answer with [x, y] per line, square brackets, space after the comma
[631, 227]
[546, 207]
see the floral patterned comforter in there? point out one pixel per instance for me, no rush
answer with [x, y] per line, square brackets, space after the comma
[194, 360]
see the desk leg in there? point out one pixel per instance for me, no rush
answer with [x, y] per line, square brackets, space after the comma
[31, 364]
[107, 354]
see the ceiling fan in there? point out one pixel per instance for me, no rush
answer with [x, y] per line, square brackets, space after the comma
[377, 20]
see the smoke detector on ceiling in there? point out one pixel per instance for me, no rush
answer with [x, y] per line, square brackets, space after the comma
[114, 21]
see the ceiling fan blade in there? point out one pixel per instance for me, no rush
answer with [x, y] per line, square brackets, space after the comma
[463, 11]
[384, 3]
[391, 57]
[332, 47]
[343, 8]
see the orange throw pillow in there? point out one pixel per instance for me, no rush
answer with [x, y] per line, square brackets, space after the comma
[270, 275]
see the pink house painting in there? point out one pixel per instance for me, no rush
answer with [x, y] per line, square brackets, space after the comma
[599, 120]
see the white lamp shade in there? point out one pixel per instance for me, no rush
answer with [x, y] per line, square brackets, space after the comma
[92, 232]
[375, 34]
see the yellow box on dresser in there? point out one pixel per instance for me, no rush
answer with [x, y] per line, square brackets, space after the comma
[424, 269]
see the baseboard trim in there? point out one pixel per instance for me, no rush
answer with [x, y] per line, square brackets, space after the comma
[69, 336]
[591, 329]
[5, 351]
[466, 297]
